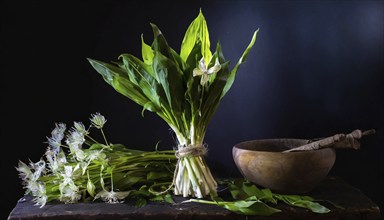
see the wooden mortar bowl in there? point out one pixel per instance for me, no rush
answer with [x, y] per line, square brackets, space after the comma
[263, 163]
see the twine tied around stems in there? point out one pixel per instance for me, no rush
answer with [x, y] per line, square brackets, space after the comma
[184, 151]
[191, 150]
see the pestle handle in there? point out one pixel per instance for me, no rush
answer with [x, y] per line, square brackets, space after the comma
[350, 140]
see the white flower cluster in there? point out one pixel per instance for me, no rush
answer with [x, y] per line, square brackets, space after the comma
[68, 171]
[30, 175]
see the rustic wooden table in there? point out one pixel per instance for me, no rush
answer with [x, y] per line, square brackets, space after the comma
[356, 206]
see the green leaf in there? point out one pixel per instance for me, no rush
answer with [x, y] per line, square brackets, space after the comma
[242, 207]
[106, 70]
[156, 175]
[142, 76]
[148, 106]
[160, 44]
[170, 78]
[268, 196]
[136, 69]
[119, 80]
[196, 32]
[250, 208]
[245, 190]
[163, 198]
[242, 59]
[303, 202]
[168, 198]
[140, 202]
[212, 95]
[130, 90]
[146, 52]
[251, 190]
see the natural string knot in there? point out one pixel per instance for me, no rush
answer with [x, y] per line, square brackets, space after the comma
[191, 150]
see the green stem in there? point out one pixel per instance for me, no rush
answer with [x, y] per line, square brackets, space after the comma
[192, 176]
[201, 201]
[91, 138]
[111, 180]
[105, 139]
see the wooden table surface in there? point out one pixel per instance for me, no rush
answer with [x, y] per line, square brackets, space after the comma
[356, 206]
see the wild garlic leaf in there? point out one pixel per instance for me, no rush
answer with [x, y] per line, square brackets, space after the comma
[245, 190]
[163, 198]
[303, 202]
[140, 202]
[168, 198]
[125, 87]
[171, 80]
[160, 44]
[197, 32]
[146, 52]
[250, 208]
[136, 69]
[268, 196]
[243, 207]
[106, 70]
[153, 175]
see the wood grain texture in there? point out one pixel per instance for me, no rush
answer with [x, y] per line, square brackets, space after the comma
[356, 206]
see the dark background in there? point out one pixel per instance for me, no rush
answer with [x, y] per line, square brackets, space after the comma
[315, 70]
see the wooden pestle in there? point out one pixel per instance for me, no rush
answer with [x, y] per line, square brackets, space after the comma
[350, 140]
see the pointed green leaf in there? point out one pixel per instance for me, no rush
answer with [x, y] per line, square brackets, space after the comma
[146, 52]
[128, 89]
[106, 70]
[148, 106]
[168, 198]
[302, 201]
[160, 43]
[242, 207]
[170, 78]
[136, 69]
[250, 208]
[196, 32]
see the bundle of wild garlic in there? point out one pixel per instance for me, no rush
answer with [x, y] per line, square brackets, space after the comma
[183, 89]
[80, 168]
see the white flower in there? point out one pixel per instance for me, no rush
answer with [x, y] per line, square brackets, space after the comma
[32, 186]
[78, 152]
[52, 161]
[38, 167]
[57, 135]
[61, 158]
[91, 155]
[25, 172]
[74, 141]
[112, 196]
[79, 127]
[95, 154]
[69, 176]
[29, 178]
[98, 120]
[40, 195]
[70, 195]
[75, 138]
[58, 132]
[55, 144]
[204, 72]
